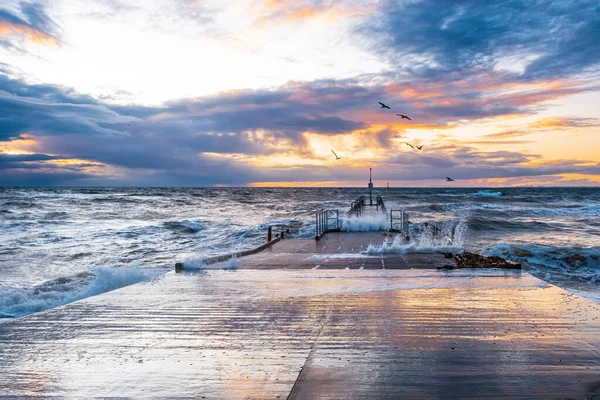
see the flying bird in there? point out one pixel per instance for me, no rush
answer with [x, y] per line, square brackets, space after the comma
[448, 179]
[413, 147]
[419, 147]
[404, 117]
[336, 156]
[383, 105]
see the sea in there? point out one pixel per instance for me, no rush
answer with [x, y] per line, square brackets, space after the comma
[59, 245]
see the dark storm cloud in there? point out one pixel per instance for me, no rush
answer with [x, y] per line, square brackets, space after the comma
[51, 110]
[8, 159]
[24, 177]
[172, 144]
[161, 141]
[432, 38]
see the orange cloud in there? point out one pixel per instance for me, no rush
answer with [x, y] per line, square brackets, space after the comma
[288, 11]
[24, 144]
[543, 180]
[548, 125]
[307, 184]
[426, 91]
[31, 34]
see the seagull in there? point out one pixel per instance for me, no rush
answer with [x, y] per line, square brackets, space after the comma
[336, 156]
[419, 147]
[448, 179]
[383, 105]
[413, 147]
[404, 117]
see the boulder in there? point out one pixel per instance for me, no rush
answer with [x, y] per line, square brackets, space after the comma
[473, 260]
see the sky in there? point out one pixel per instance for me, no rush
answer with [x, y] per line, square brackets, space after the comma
[258, 93]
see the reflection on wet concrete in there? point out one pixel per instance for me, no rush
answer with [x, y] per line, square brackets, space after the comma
[311, 334]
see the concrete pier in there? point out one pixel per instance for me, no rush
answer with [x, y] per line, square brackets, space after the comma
[277, 327]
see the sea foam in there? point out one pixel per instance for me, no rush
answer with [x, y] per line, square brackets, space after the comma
[17, 299]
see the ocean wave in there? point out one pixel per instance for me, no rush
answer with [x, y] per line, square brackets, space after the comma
[365, 223]
[126, 226]
[426, 238]
[574, 210]
[114, 199]
[450, 194]
[198, 264]
[485, 224]
[564, 266]
[55, 215]
[465, 206]
[510, 210]
[184, 226]
[20, 204]
[487, 193]
[17, 300]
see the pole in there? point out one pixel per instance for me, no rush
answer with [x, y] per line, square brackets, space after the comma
[370, 189]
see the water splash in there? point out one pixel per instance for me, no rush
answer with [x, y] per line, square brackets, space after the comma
[370, 223]
[17, 299]
[487, 193]
[426, 238]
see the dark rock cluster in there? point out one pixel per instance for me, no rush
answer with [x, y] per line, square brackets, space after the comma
[472, 260]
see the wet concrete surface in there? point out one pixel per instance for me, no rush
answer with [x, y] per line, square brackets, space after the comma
[310, 334]
[336, 250]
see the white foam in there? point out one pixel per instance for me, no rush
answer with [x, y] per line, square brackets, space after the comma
[232, 263]
[370, 223]
[341, 256]
[487, 193]
[593, 296]
[449, 238]
[573, 269]
[17, 299]
[198, 264]
[195, 264]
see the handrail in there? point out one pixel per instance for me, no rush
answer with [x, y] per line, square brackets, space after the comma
[402, 226]
[356, 207]
[326, 221]
[380, 204]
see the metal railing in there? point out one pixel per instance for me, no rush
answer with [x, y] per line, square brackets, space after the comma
[399, 222]
[380, 204]
[326, 221]
[356, 207]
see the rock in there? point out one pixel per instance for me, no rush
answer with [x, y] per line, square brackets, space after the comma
[446, 255]
[472, 260]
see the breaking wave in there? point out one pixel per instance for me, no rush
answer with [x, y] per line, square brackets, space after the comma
[17, 300]
[371, 223]
[487, 193]
[550, 263]
[425, 238]
[183, 226]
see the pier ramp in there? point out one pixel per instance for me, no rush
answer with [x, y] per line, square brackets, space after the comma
[307, 319]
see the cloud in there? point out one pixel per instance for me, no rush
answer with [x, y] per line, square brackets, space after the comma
[29, 21]
[61, 137]
[290, 12]
[52, 110]
[552, 124]
[430, 40]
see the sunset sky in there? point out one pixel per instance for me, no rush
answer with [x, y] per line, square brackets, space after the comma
[234, 93]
